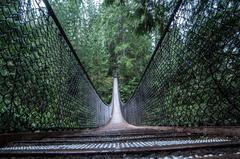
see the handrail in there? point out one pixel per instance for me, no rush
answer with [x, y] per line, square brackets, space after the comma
[58, 24]
[157, 47]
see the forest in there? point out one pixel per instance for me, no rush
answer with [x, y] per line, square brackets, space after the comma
[113, 36]
[191, 80]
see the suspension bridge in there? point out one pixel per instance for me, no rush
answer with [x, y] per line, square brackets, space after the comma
[186, 105]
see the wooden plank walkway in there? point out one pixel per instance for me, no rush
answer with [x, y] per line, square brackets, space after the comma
[119, 137]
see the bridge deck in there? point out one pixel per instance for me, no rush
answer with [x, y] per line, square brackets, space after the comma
[138, 141]
[119, 137]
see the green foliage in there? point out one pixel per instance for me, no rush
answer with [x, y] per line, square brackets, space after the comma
[126, 32]
[118, 37]
[20, 106]
[41, 84]
[193, 79]
[106, 43]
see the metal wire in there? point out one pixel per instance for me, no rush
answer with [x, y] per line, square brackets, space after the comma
[193, 78]
[42, 82]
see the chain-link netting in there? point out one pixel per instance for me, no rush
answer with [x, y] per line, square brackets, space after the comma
[42, 83]
[194, 77]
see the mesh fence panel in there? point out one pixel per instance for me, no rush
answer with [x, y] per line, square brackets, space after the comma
[42, 83]
[194, 77]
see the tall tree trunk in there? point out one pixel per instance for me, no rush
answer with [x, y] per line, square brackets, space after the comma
[112, 58]
[111, 49]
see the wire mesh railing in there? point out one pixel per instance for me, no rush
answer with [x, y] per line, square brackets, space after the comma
[193, 77]
[42, 82]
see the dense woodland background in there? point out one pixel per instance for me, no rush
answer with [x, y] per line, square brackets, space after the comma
[113, 35]
[120, 35]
